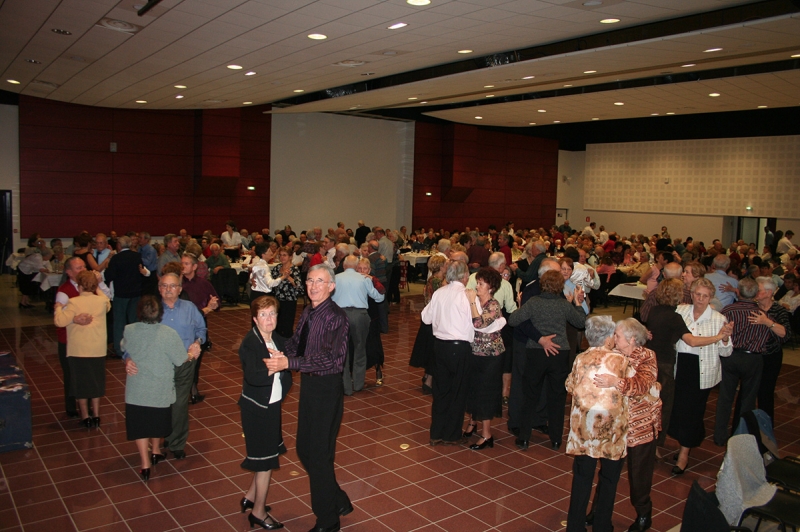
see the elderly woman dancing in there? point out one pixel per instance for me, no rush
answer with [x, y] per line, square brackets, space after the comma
[598, 426]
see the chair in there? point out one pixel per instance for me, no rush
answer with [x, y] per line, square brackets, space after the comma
[785, 472]
[702, 513]
[743, 490]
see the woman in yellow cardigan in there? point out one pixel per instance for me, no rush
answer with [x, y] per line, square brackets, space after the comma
[86, 345]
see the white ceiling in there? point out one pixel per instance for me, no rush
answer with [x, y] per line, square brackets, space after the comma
[190, 42]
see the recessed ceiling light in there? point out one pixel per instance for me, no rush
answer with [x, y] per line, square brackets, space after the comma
[141, 101]
[61, 32]
[653, 114]
[796, 55]
[488, 86]
[589, 71]
[593, 3]
[670, 113]
[413, 98]
[714, 94]
[235, 67]
[762, 106]
[529, 77]
[542, 110]
[688, 65]
[251, 73]
[595, 119]
[251, 188]
[368, 73]
[418, 2]
[428, 194]
[33, 61]
[465, 51]
[568, 85]
[619, 103]
[398, 26]
[179, 96]
[531, 123]
[179, 86]
[317, 36]
[299, 90]
[246, 103]
[13, 81]
[390, 52]
[422, 103]
[490, 95]
[478, 118]
[556, 121]
[609, 21]
[712, 50]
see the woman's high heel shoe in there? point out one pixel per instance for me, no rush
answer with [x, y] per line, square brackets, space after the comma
[378, 376]
[87, 422]
[156, 458]
[471, 430]
[274, 525]
[486, 443]
[96, 422]
[247, 504]
[145, 474]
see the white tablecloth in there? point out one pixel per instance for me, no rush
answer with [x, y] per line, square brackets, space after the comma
[629, 291]
[415, 258]
[48, 280]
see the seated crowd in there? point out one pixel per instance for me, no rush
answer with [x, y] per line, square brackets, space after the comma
[503, 324]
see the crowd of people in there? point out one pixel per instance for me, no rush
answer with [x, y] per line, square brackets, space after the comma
[494, 331]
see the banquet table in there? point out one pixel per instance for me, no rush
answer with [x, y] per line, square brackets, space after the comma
[48, 280]
[632, 291]
[415, 258]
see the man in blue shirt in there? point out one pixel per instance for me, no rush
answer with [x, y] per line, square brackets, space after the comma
[150, 261]
[725, 285]
[183, 316]
[352, 291]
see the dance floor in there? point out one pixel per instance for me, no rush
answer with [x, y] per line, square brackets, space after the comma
[79, 479]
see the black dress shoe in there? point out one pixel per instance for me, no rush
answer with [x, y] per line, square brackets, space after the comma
[95, 421]
[332, 528]
[347, 509]
[590, 518]
[642, 523]
[179, 455]
[677, 470]
[272, 524]
[197, 398]
[486, 443]
[556, 445]
[145, 474]
[247, 504]
[522, 444]
[471, 431]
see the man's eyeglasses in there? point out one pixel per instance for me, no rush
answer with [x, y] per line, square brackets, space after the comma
[169, 286]
[318, 282]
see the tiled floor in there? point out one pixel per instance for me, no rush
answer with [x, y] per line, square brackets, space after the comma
[78, 479]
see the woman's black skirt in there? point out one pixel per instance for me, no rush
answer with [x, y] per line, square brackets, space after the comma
[263, 438]
[688, 411]
[147, 421]
[26, 284]
[87, 377]
[422, 353]
[484, 395]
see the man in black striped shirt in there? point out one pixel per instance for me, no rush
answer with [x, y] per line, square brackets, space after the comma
[745, 363]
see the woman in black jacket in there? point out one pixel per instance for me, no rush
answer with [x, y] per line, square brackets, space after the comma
[260, 405]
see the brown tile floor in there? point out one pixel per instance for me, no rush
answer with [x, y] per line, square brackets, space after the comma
[78, 479]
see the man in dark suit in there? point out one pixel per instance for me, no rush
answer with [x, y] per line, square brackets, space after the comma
[361, 233]
[125, 271]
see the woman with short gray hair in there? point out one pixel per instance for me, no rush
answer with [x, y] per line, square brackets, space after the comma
[598, 426]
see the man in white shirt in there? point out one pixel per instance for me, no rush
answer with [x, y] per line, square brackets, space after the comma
[449, 314]
[589, 230]
[785, 243]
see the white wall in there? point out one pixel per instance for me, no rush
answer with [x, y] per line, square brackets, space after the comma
[328, 168]
[570, 192]
[9, 164]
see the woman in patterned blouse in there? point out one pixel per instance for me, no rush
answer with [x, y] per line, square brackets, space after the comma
[422, 354]
[287, 292]
[644, 416]
[598, 426]
[484, 400]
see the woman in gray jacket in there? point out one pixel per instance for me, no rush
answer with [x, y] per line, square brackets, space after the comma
[156, 349]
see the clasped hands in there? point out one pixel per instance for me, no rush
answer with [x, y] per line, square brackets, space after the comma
[277, 362]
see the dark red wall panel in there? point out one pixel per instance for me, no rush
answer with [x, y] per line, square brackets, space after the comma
[511, 177]
[71, 181]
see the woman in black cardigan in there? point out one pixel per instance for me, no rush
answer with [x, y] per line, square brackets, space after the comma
[260, 405]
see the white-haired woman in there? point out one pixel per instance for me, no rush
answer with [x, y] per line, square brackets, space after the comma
[698, 370]
[644, 415]
[598, 426]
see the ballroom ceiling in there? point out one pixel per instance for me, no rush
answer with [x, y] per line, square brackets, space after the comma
[523, 62]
